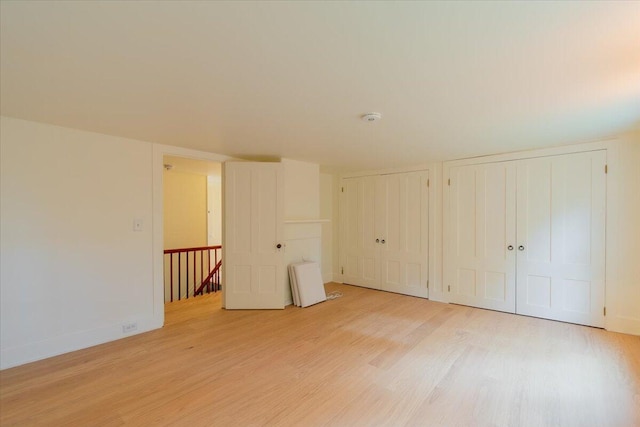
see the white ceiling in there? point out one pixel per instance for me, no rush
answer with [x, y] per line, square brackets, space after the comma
[291, 79]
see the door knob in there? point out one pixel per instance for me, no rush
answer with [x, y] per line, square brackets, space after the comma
[377, 240]
[521, 248]
[382, 241]
[510, 247]
[278, 246]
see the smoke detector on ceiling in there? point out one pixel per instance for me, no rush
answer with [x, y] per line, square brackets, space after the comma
[372, 117]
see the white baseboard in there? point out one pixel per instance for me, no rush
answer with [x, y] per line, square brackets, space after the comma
[56, 346]
[624, 325]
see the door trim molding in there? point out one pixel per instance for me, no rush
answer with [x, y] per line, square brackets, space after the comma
[520, 155]
[157, 247]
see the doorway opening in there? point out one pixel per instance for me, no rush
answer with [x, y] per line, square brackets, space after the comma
[192, 230]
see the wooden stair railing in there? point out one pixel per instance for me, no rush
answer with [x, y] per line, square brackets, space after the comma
[198, 268]
[207, 282]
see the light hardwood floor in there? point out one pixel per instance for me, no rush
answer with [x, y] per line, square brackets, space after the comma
[368, 358]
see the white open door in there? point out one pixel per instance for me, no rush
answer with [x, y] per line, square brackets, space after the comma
[252, 235]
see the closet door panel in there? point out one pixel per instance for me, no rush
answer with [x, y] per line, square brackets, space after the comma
[482, 209]
[392, 197]
[405, 232]
[351, 213]
[535, 269]
[370, 249]
[463, 200]
[360, 252]
[561, 219]
[416, 232]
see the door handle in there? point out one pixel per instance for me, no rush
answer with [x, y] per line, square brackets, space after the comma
[382, 241]
[377, 240]
[510, 247]
[521, 248]
[278, 246]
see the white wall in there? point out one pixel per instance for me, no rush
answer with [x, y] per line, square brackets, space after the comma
[185, 209]
[623, 236]
[214, 207]
[301, 205]
[72, 270]
[301, 190]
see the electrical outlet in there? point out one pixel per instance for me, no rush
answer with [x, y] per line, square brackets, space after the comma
[129, 327]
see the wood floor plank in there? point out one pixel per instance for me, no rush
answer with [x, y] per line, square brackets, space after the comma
[369, 358]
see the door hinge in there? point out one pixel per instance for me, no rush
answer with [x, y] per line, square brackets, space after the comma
[449, 288]
[427, 183]
[341, 270]
[343, 189]
[604, 311]
[449, 182]
[427, 284]
[606, 168]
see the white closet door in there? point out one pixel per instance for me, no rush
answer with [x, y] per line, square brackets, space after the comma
[350, 211]
[561, 237]
[482, 209]
[404, 233]
[371, 211]
[360, 252]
